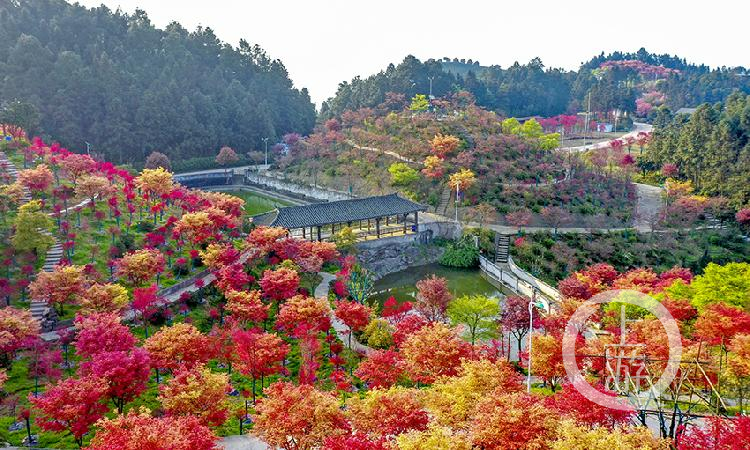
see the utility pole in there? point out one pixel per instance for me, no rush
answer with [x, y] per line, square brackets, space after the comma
[265, 140]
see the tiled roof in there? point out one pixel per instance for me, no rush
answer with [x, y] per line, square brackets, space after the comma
[343, 211]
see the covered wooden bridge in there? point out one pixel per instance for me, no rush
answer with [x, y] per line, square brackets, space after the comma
[369, 218]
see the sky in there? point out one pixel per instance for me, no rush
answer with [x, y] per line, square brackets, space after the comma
[324, 42]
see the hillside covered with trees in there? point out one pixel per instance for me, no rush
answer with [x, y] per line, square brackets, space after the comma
[615, 82]
[710, 148]
[112, 79]
[429, 150]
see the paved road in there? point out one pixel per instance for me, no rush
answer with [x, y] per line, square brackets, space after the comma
[244, 442]
[637, 128]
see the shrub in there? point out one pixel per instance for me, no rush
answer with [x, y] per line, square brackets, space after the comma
[144, 226]
[462, 253]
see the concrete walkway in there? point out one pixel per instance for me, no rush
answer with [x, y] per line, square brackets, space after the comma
[242, 442]
[342, 331]
[250, 442]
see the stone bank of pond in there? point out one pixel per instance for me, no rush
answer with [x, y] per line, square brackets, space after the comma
[401, 284]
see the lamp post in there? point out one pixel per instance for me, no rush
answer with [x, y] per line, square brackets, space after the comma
[542, 305]
[265, 141]
[457, 186]
[531, 331]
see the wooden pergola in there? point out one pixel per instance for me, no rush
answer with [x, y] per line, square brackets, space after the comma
[369, 218]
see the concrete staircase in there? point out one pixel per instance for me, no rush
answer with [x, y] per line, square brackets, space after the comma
[54, 255]
[39, 309]
[445, 201]
[502, 248]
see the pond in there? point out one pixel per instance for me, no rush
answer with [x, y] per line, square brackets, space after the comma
[256, 203]
[401, 285]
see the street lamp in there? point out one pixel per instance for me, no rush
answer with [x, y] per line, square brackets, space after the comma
[541, 304]
[457, 186]
[265, 140]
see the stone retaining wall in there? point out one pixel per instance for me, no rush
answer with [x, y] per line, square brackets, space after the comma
[394, 254]
[277, 182]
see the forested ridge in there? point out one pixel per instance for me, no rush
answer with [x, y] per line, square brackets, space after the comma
[522, 90]
[127, 88]
[710, 148]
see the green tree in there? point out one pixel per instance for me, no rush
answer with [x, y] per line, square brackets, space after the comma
[378, 334]
[478, 312]
[402, 174]
[511, 125]
[345, 239]
[550, 141]
[419, 103]
[31, 226]
[22, 114]
[531, 129]
[729, 283]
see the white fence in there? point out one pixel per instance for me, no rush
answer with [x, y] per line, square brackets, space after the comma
[517, 279]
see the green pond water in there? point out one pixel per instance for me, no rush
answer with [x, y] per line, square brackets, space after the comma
[255, 203]
[401, 285]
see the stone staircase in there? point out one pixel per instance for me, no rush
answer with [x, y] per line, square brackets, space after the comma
[13, 171]
[445, 201]
[39, 309]
[54, 255]
[502, 248]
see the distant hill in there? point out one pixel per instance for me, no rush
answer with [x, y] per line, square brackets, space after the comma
[126, 87]
[636, 83]
[462, 68]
